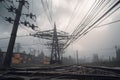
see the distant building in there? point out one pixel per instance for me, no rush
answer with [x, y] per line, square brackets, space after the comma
[95, 58]
[117, 53]
[46, 60]
[17, 58]
[23, 58]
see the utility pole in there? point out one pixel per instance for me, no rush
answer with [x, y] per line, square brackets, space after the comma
[8, 56]
[77, 57]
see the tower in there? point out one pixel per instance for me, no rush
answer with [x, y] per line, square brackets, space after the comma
[57, 40]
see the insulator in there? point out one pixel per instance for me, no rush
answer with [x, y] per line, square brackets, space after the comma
[27, 15]
[31, 15]
[10, 20]
[33, 26]
[11, 9]
[25, 23]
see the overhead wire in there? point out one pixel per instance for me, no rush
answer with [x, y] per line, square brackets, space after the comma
[87, 13]
[35, 20]
[46, 12]
[92, 17]
[31, 44]
[2, 16]
[110, 14]
[25, 45]
[26, 29]
[89, 29]
[49, 9]
[81, 10]
[83, 19]
[94, 11]
[89, 17]
[5, 4]
[108, 23]
[72, 15]
[106, 16]
[16, 36]
[77, 15]
[102, 16]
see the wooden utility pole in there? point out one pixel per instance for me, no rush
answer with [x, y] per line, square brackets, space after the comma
[8, 57]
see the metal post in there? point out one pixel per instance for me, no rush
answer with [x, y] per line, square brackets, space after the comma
[77, 57]
[7, 60]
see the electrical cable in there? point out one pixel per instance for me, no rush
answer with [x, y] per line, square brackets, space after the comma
[108, 23]
[84, 17]
[16, 36]
[89, 29]
[90, 20]
[71, 17]
[49, 10]
[104, 14]
[84, 33]
[46, 12]
[101, 8]
[25, 29]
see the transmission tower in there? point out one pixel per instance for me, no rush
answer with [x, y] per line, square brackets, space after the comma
[57, 40]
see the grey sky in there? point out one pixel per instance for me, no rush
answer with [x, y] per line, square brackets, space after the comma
[99, 40]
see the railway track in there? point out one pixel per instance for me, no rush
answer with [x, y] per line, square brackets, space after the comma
[71, 72]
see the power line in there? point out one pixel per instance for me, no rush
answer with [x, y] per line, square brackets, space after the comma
[46, 12]
[89, 29]
[2, 16]
[101, 17]
[94, 16]
[91, 17]
[49, 10]
[16, 36]
[83, 33]
[80, 11]
[31, 44]
[85, 17]
[25, 45]
[83, 20]
[108, 23]
[71, 17]
[24, 28]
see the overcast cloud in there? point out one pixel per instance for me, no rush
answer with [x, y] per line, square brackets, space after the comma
[100, 40]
